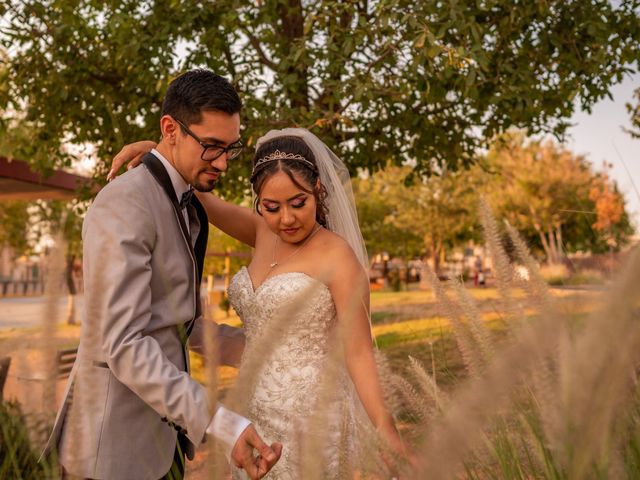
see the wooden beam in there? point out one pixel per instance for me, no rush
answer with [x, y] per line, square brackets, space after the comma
[19, 182]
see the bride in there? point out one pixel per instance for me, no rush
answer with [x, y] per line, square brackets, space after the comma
[307, 242]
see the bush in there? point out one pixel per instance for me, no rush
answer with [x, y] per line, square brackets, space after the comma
[394, 280]
[587, 277]
[18, 458]
[555, 274]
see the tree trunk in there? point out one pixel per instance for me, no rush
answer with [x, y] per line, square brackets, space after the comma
[436, 251]
[559, 246]
[552, 245]
[292, 17]
[545, 244]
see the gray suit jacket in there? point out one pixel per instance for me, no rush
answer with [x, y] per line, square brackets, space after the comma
[130, 391]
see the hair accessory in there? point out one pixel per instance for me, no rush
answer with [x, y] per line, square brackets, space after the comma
[278, 155]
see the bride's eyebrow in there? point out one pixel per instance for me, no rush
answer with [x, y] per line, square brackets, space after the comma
[299, 195]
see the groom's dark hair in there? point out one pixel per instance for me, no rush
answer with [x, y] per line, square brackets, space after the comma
[198, 91]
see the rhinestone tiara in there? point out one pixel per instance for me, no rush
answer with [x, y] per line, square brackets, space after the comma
[278, 155]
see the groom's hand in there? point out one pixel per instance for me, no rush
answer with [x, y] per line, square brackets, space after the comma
[243, 457]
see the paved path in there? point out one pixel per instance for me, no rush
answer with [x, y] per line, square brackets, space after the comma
[24, 312]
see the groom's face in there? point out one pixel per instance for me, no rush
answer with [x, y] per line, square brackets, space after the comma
[215, 127]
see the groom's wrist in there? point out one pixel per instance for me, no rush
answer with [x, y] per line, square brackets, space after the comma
[226, 427]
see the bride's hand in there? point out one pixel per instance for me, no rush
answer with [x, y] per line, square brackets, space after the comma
[131, 154]
[400, 457]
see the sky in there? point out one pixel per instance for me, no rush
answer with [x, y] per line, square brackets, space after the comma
[599, 136]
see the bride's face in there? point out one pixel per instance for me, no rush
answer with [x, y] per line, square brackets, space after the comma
[290, 212]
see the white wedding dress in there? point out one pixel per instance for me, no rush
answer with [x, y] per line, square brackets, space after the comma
[283, 404]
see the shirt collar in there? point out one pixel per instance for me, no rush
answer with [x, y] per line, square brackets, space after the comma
[179, 185]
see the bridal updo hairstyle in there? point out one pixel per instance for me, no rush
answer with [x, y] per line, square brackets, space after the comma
[308, 172]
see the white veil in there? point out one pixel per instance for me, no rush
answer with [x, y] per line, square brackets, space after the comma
[342, 217]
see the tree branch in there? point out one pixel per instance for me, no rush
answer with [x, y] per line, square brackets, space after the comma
[255, 43]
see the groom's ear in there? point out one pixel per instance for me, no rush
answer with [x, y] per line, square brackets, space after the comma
[168, 128]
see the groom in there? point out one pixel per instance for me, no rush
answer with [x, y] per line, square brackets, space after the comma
[131, 410]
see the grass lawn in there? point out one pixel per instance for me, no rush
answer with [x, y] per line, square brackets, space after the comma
[413, 323]
[404, 323]
[409, 323]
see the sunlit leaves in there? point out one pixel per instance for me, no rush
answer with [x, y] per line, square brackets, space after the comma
[382, 81]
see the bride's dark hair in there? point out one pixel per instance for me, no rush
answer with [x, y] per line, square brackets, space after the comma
[306, 171]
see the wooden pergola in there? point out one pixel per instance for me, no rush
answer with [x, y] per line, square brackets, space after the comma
[19, 182]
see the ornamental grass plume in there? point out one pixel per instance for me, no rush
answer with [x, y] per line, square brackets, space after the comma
[557, 398]
[23, 433]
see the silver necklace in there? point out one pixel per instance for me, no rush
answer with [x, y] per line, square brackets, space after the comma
[274, 262]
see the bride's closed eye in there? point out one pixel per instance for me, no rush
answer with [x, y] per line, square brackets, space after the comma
[274, 207]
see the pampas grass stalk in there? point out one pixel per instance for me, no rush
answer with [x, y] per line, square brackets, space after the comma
[502, 269]
[479, 332]
[464, 338]
[216, 464]
[49, 319]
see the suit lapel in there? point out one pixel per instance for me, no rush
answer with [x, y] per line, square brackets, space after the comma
[157, 170]
[200, 247]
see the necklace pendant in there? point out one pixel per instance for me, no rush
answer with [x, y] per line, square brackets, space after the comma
[271, 265]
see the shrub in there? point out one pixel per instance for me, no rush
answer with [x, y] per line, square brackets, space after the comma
[18, 458]
[555, 274]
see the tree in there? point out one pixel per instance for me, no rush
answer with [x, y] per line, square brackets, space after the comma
[547, 192]
[440, 211]
[379, 81]
[611, 220]
[634, 111]
[23, 225]
[14, 222]
[376, 212]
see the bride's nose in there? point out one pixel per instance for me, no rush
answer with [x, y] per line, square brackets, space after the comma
[287, 217]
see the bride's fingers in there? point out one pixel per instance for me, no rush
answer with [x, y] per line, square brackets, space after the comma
[132, 154]
[137, 160]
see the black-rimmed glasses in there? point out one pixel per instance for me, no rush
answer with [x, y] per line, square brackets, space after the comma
[211, 151]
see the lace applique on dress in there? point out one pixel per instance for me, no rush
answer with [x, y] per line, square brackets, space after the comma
[285, 395]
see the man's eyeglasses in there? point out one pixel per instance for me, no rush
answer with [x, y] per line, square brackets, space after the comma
[211, 151]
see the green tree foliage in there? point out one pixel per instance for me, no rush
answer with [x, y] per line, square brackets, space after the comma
[56, 216]
[379, 81]
[375, 201]
[634, 111]
[551, 196]
[23, 225]
[14, 226]
[425, 218]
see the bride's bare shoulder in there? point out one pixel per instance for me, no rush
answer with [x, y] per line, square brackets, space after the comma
[338, 253]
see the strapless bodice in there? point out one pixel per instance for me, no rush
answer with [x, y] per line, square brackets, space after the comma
[307, 297]
[287, 388]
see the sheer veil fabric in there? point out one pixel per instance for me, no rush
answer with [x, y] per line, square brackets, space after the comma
[342, 217]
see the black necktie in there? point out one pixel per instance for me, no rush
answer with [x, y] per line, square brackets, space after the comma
[186, 198]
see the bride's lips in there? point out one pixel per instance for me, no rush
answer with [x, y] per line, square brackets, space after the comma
[290, 231]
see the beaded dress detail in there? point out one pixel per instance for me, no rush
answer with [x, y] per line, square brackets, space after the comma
[285, 401]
